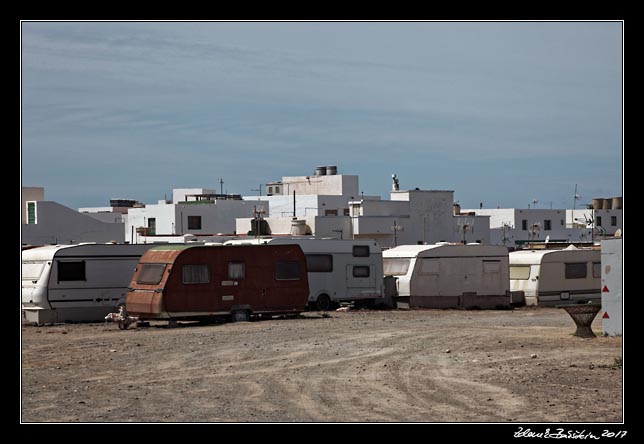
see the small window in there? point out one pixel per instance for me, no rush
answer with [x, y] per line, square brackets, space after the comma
[524, 225]
[330, 212]
[195, 274]
[150, 274]
[31, 212]
[521, 272]
[346, 212]
[270, 190]
[491, 266]
[562, 222]
[613, 221]
[547, 225]
[287, 270]
[319, 263]
[429, 266]
[361, 271]
[71, 271]
[277, 190]
[194, 222]
[236, 270]
[597, 269]
[598, 221]
[576, 270]
[361, 251]
[395, 266]
[152, 226]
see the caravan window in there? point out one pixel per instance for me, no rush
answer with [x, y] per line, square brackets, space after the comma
[71, 271]
[236, 270]
[520, 272]
[429, 266]
[287, 270]
[195, 274]
[361, 251]
[491, 266]
[319, 263]
[395, 266]
[31, 270]
[576, 270]
[150, 274]
[361, 271]
[597, 269]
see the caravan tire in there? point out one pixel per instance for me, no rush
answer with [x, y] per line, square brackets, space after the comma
[323, 303]
[240, 316]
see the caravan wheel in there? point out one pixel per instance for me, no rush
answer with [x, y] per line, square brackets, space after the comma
[240, 316]
[323, 303]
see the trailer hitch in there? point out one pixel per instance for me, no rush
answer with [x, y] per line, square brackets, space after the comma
[122, 318]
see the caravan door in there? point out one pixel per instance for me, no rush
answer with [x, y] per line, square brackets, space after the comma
[361, 281]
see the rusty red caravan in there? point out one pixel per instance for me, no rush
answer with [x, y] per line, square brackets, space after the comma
[182, 282]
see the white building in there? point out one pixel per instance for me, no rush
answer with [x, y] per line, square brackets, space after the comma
[328, 204]
[515, 227]
[416, 217]
[199, 212]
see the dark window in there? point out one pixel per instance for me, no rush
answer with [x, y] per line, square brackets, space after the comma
[361, 271]
[152, 226]
[195, 274]
[613, 221]
[194, 222]
[287, 270]
[599, 221]
[330, 212]
[576, 270]
[597, 269]
[524, 225]
[562, 222]
[346, 212]
[547, 225]
[361, 251]
[71, 271]
[31, 212]
[236, 270]
[150, 274]
[319, 263]
[277, 190]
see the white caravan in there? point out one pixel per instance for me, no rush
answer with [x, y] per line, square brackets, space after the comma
[338, 270]
[557, 277]
[448, 275]
[80, 283]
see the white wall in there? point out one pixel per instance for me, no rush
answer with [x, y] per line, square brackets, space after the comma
[179, 194]
[339, 184]
[612, 255]
[216, 217]
[592, 215]
[57, 223]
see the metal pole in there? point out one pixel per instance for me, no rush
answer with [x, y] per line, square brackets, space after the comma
[294, 204]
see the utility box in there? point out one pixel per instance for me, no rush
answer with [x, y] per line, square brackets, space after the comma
[612, 286]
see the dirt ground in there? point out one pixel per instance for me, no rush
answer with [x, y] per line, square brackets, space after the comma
[522, 365]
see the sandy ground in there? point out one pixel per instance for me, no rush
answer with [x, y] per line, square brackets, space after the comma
[522, 365]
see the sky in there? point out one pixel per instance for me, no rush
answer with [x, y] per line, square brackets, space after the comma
[503, 113]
